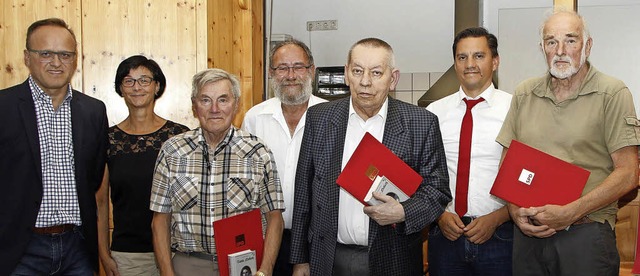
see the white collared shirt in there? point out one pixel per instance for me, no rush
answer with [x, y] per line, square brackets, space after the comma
[266, 121]
[353, 223]
[488, 117]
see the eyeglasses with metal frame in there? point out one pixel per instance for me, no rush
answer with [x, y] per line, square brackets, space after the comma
[299, 69]
[46, 56]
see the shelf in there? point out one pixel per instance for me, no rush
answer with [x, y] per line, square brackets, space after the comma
[330, 84]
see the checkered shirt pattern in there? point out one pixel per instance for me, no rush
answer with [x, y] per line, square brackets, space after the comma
[60, 199]
[199, 186]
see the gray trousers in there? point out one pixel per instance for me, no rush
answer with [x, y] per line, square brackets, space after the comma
[186, 265]
[585, 249]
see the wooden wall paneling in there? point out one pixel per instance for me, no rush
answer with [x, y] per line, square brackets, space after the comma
[201, 35]
[165, 31]
[242, 56]
[220, 34]
[258, 41]
[571, 5]
[15, 18]
[232, 36]
[627, 226]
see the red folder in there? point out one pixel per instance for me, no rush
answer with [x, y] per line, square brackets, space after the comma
[237, 233]
[529, 177]
[372, 158]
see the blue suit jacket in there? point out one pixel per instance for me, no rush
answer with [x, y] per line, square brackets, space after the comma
[21, 171]
[413, 134]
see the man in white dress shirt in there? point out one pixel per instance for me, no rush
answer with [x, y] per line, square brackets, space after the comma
[279, 122]
[479, 240]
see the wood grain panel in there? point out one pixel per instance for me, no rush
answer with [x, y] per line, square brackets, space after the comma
[15, 18]
[570, 5]
[165, 31]
[258, 41]
[220, 34]
[627, 226]
[242, 60]
[236, 45]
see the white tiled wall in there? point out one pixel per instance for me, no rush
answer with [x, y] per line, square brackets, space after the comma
[413, 85]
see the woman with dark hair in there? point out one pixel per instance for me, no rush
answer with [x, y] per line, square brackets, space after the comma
[134, 146]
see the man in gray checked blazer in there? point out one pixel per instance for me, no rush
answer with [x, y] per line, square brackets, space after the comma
[333, 233]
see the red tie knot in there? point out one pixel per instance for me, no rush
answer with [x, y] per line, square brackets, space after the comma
[472, 103]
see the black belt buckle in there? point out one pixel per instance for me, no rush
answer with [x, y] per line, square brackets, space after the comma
[466, 220]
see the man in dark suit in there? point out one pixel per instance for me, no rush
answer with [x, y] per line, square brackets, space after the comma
[52, 157]
[333, 233]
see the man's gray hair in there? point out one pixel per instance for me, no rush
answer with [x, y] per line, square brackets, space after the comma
[585, 29]
[212, 75]
[374, 42]
[292, 41]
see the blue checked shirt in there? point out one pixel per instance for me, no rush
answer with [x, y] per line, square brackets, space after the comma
[60, 199]
[199, 185]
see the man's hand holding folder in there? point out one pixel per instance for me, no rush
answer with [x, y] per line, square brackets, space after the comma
[524, 218]
[371, 159]
[547, 187]
[545, 221]
[389, 212]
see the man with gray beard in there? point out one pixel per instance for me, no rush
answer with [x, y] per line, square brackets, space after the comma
[279, 122]
[587, 118]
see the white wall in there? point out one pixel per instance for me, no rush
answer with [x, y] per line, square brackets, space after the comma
[613, 25]
[420, 31]
[492, 7]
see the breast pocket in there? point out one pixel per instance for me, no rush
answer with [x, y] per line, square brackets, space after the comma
[186, 193]
[241, 194]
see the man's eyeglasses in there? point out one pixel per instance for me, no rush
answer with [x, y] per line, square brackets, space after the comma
[142, 81]
[46, 56]
[299, 69]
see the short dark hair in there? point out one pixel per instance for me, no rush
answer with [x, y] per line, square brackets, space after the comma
[48, 22]
[477, 32]
[134, 62]
[292, 41]
[374, 43]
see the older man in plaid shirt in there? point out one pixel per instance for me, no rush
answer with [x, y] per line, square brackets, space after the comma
[210, 173]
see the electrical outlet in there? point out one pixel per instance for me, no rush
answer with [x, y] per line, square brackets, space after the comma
[322, 25]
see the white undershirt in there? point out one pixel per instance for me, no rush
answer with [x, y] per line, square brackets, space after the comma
[353, 223]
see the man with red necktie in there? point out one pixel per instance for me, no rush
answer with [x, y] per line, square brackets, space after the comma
[474, 235]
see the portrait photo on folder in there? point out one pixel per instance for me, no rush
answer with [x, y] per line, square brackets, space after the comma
[238, 233]
[529, 178]
[370, 159]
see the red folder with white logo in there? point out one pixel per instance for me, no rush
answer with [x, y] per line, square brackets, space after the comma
[370, 159]
[238, 233]
[529, 177]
